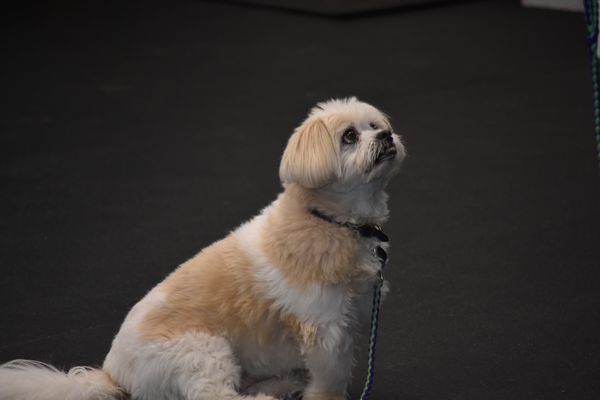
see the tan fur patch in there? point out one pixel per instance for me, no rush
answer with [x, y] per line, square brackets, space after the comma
[294, 242]
[310, 157]
[214, 292]
[304, 333]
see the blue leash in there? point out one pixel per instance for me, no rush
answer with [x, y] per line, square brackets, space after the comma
[373, 332]
[591, 18]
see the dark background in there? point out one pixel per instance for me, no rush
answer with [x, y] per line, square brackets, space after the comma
[135, 133]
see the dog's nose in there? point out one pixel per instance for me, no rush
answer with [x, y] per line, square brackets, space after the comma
[386, 137]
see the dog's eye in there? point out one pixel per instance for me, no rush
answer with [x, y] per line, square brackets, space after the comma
[373, 125]
[350, 136]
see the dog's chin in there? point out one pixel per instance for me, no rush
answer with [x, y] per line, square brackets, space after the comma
[384, 159]
[384, 165]
[386, 155]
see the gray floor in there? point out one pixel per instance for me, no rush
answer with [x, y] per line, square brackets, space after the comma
[135, 133]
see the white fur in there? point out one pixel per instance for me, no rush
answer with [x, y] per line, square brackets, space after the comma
[32, 380]
[266, 360]
[195, 365]
[130, 356]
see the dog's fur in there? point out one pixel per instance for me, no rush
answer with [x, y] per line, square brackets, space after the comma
[272, 307]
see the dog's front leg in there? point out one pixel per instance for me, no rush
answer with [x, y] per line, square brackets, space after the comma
[329, 364]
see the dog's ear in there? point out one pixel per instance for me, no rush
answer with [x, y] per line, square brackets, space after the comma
[311, 157]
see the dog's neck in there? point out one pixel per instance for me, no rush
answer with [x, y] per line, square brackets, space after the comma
[357, 204]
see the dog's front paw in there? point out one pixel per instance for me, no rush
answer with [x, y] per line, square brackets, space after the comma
[310, 395]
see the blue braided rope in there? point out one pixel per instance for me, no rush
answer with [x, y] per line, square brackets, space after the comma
[591, 17]
[373, 338]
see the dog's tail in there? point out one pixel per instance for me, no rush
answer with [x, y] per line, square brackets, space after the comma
[34, 380]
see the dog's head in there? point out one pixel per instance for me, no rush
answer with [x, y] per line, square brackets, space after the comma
[342, 141]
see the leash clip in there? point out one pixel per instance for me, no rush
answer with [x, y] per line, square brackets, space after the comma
[382, 256]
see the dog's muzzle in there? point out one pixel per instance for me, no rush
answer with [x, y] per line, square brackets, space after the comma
[387, 148]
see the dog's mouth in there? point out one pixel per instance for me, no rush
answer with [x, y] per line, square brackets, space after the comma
[386, 153]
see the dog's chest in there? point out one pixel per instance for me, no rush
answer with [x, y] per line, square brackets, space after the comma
[333, 318]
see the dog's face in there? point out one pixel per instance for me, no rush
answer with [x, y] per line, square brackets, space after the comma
[344, 142]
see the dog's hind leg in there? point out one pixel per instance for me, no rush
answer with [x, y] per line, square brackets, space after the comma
[193, 366]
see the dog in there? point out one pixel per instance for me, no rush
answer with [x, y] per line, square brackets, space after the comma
[271, 309]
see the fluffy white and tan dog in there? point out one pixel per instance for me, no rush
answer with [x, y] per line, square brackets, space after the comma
[272, 307]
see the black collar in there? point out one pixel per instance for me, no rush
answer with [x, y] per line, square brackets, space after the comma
[367, 230]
